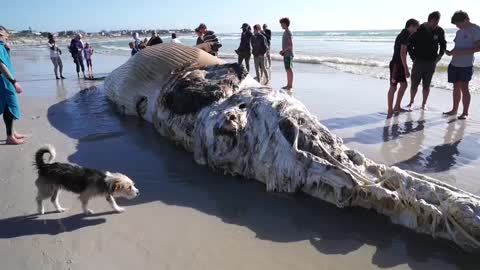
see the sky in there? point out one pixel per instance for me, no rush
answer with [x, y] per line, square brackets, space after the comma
[225, 16]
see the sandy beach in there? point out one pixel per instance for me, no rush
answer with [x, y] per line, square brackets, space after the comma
[188, 217]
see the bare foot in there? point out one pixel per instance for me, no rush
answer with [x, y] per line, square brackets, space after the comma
[18, 135]
[450, 113]
[11, 140]
[463, 117]
[410, 105]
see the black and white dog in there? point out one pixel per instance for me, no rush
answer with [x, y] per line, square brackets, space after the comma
[88, 183]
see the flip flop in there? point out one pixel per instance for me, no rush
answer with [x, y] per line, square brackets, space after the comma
[402, 111]
[449, 113]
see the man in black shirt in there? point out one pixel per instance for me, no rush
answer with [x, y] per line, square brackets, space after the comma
[244, 51]
[268, 34]
[399, 71]
[155, 39]
[259, 49]
[426, 48]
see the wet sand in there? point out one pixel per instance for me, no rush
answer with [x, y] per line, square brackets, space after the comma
[188, 217]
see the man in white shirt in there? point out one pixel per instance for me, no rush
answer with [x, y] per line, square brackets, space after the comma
[175, 39]
[460, 70]
[55, 53]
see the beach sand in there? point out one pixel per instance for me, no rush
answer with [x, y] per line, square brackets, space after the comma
[188, 217]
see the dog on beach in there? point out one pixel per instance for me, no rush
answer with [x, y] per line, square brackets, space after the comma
[88, 183]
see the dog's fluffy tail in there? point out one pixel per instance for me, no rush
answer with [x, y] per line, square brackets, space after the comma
[46, 149]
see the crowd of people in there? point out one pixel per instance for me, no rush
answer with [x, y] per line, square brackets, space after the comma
[426, 45]
[79, 52]
[256, 43]
[136, 45]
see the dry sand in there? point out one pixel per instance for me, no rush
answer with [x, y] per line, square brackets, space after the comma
[190, 218]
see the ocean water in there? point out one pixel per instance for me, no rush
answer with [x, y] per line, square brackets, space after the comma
[358, 52]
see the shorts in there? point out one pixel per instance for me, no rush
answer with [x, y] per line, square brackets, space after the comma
[89, 62]
[397, 73]
[288, 62]
[422, 71]
[459, 74]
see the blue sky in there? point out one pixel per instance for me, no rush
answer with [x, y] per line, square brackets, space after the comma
[225, 16]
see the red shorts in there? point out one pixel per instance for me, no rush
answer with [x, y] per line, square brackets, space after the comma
[397, 73]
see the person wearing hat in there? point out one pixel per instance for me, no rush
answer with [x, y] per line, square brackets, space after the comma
[244, 51]
[9, 88]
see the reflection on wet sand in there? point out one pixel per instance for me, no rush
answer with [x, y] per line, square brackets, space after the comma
[61, 93]
[393, 129]
[444, 157]
[400, 140]
[166, 173]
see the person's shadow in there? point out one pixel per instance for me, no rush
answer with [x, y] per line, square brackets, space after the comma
[35, 225]
[166, 173]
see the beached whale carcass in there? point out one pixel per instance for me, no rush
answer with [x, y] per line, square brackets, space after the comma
[234, 125]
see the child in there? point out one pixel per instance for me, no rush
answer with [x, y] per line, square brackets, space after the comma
[88, 52]
[132, 46]
[399, 71]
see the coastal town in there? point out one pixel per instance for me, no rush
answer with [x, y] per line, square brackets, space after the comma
[37, 37]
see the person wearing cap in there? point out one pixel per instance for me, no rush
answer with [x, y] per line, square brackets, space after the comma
[55, 53]
[76, 49]
[155, 39]
[244, 50]
[9, 88]
[208, 36]
[259, 49]
[268, 34]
